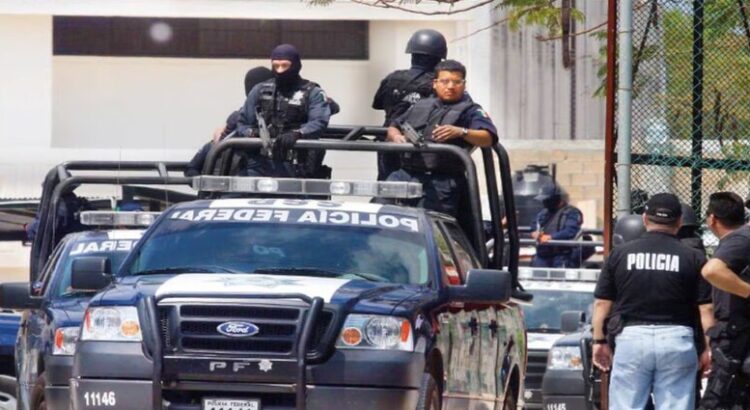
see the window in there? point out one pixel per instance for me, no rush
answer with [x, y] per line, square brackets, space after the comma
[450, 271]
[39, 287]
[464, 255]
[208, 38]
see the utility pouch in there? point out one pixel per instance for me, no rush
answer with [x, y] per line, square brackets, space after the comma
[613, 327]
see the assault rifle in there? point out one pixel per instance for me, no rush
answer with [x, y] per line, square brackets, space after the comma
[264, 135]
[412, 135]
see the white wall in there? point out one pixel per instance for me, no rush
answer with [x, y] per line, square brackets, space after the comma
[25, 80]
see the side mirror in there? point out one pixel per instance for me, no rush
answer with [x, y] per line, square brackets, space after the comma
[90, 273]
[483, 286]
[17, 296]
[571, 320]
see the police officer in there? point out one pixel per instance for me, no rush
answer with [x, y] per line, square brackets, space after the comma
[292, 108]
[451, 117]
[649, 288]
[557, 221]
[689, 232]
[402, 88]
[727, 271]
[253, 77]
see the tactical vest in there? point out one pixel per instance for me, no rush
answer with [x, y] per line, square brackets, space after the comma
[424, 117]
[553, 226]
[404, 89]
[284, 111]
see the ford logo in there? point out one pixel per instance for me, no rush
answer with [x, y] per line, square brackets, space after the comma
[237, 329]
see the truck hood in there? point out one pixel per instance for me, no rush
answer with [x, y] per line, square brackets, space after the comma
[360, 295]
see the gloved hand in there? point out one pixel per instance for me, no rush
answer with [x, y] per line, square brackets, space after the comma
[284, 143]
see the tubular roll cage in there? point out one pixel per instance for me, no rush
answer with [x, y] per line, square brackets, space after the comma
[368, 139]
[60, 180]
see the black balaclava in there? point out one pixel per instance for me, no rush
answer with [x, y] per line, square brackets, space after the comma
[552, 203]
[255, 76]
[424, 62]
[291, 76]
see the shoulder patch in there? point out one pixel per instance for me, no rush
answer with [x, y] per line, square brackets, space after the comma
[483, 113]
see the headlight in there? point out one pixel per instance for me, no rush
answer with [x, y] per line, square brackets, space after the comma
[564, 358]
[112, 323]
[376, 332]
[65, 341]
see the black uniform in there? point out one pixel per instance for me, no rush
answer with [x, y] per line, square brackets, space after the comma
[441, 175]
[397, 93]
[303, 108]
[654, 280]
[730, 337]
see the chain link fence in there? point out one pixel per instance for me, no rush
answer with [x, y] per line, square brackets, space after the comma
[691, 99]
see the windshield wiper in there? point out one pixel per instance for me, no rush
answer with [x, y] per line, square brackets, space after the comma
[326, 273]
[188, 269]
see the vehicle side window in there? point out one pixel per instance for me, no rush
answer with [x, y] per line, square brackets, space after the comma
[466, 258]
[44, 280]
[449, 268]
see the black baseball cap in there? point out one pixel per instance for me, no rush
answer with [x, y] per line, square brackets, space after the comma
[663, 208]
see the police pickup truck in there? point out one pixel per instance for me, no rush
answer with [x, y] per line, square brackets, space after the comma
[247, 304]
[561, 296]
[53, 312]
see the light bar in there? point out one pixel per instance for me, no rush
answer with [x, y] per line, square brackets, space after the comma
[556, 274]
[260, 185]
[114, 218]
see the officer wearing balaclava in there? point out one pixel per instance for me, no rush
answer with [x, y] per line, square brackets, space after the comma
[557, 221]
[253, 77]
[293, 108]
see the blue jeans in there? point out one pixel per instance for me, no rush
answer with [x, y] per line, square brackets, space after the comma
[658, 359]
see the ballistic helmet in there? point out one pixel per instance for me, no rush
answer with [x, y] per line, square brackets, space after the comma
[628, 228]
[429, 42]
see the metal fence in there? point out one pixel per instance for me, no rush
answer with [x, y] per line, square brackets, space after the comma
[691, 99]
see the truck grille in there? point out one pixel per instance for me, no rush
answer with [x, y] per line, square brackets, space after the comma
[192, 328]
[537, 364]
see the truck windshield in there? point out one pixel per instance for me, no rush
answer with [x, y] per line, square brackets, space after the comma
[354, 252]
[544, 313]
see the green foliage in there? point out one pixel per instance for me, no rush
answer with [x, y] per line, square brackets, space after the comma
[539, 13]
[545, 14]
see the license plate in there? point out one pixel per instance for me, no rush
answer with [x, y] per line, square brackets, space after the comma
[231, 404]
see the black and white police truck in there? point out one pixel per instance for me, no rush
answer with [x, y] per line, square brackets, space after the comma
[278, 301]
[563, 299]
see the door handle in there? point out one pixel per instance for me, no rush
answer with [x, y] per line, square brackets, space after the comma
[473, 326]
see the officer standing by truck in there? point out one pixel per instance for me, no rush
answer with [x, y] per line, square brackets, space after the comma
[727, 271]
[557, 221]
[291, 108]
[649, 289]
[403, 88]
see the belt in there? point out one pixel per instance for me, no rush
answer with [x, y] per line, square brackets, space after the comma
[653, 323]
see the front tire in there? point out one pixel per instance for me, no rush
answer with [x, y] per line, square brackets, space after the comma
[430, 397]
[8, 391]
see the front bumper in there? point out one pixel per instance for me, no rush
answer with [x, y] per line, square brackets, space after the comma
[58, 370]
[347, 379]
[137, 394]
[564, 389]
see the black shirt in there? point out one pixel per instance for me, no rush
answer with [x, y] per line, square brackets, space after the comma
[654, 280]
[734, 251]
